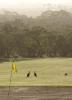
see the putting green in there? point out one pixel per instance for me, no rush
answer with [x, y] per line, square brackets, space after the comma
[50, 72]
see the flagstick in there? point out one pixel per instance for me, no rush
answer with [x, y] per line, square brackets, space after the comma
[10, 83]
[10, 80]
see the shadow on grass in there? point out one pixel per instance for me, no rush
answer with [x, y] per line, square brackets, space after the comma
[2, 60]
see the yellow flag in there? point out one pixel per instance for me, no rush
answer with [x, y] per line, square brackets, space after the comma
[14, 69]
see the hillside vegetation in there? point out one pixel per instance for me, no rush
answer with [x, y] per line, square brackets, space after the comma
[48, 35]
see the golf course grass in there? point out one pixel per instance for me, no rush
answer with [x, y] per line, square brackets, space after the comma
[50, 72]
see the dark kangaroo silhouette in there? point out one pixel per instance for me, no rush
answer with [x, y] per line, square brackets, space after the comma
[28, 74]
[35, 74]
[66, 74]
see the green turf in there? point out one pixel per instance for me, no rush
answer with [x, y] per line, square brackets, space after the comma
[49, 71]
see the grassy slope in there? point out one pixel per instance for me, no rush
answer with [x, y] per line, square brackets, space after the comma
[50, 72]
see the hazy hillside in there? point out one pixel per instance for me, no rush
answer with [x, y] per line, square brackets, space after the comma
[10, 16]
[59, 21]
[48, 35]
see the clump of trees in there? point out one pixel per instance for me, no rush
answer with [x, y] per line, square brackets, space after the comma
[37, 42]
[19, 39]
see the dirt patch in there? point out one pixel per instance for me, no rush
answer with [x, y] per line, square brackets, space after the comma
[36, 93]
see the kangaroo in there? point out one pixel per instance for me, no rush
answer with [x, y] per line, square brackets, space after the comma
[66, 74]
[35, 74]
[28, 74]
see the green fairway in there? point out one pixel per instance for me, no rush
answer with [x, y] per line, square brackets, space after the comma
[49, 72]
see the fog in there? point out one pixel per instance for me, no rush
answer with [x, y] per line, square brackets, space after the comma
[34, 7]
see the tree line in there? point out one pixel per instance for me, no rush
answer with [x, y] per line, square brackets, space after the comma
[35, 42]
[24, 37]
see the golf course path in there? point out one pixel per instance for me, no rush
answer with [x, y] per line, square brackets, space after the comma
[36, 93]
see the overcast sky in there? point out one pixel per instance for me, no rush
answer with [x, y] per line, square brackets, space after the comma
[34, 7]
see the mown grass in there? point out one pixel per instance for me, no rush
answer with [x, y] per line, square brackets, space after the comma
[50, 72]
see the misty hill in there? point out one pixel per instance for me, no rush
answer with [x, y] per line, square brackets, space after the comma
[10, 16]
[59, 21]
[48, 35]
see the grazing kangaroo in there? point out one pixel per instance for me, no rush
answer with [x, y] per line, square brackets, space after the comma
[66, 74]
[35, 74]
[28, 74]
